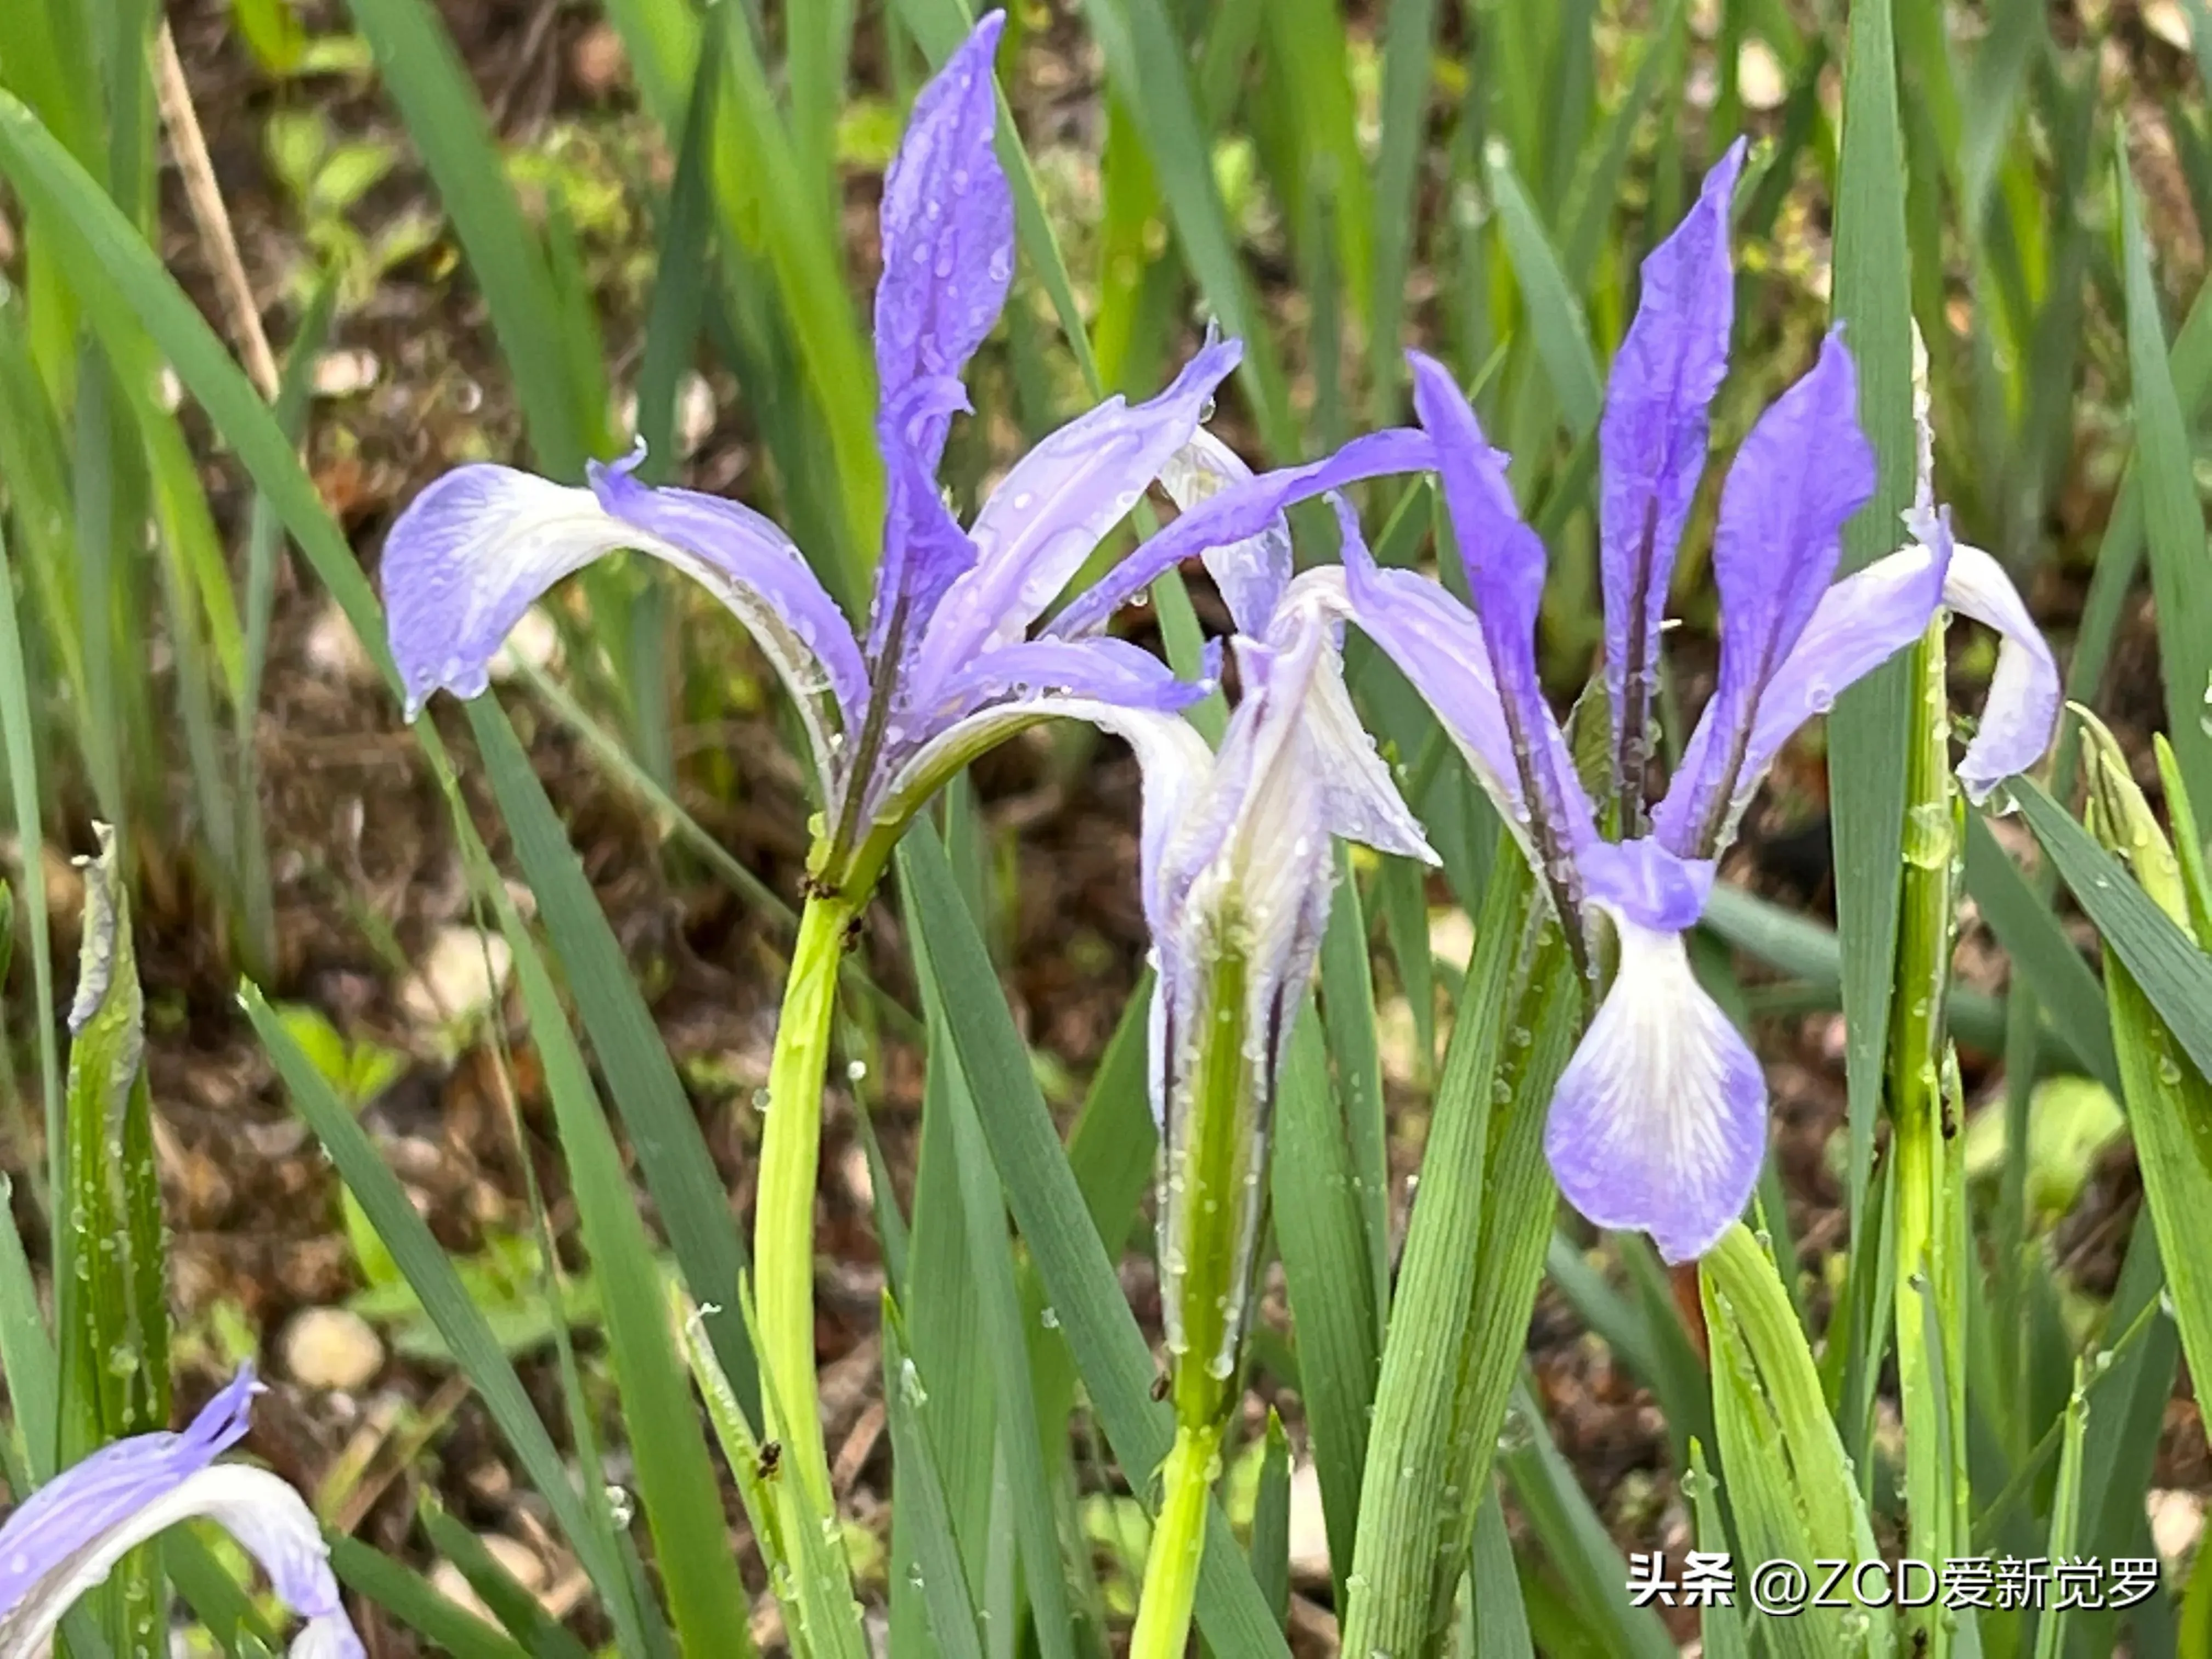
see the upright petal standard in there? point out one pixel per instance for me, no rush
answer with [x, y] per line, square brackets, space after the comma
[1658, 1121]
[67, 1535]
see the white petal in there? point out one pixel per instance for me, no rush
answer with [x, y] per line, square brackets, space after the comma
[2022, 708]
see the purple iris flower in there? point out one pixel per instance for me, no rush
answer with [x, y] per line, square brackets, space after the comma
[69, 1534]
[1659, 1120]
[946, 666]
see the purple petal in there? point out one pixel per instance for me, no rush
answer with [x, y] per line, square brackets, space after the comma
[925, 550]
[1652, 440]
[948, 234]
[1238, 514]
[2021, 710]
[1860, 623]
[1252, 573]
[1659, 1121]
[1805, 470]
[1054, 508]
[477, 548]
[1653, 888]
[1437, 644]
[1107, 670]
[757, 572]
[82, 1502]
[261, 1511]
[1505, 564]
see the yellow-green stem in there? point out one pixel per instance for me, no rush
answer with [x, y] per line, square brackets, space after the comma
[783, 1214]
[1178, 1543]
[1928, 1358]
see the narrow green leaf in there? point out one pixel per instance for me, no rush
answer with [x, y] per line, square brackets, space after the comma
[2041, 953]
[1019, 1447]
[1494, 1604]
[1573, 1536]
[111, 1274]
[511, 1601]
[679, 1170]
[1326, 1267]
[1148, 68]
[1408, 36]
[1866, 751]
[16, 715]
[1457, 1321]
[1270, 1552]
[2173, 974]
[1722, 1627]
[418, 1604]
[1555, 316]
[674, 1477]
[2173, 515]
[935, 1567]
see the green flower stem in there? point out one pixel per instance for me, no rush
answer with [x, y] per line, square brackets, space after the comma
[1925, 1143]
[1171, 1567]
[783, 1215]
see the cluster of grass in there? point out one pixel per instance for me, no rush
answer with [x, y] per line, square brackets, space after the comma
[1486, 174]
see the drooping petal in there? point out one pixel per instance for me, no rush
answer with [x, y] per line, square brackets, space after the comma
[1056, 505]
[1505, 563]
[1252, 573]
[925, 550]
[1437, 644]
[1861, 622]
[69, 1534]
[1652, 444]
[759, 575]
[1659, 1121]
[2021, 710]
[1805, 470]
[1235, 515]
[261, 1511]
[948, 235]
[65, 1514]
[474, 551]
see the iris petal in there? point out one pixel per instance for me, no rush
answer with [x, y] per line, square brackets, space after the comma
[1252, 572]
[948, 234]
[1053, 507]
[1505, 562]
[1803, 471]
[66, 1514]
[1239, 513]
[1659, 1121]
[1860, 623]
[2021, 710]
[1652, 443]
[1438, 645]
[473, 551]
